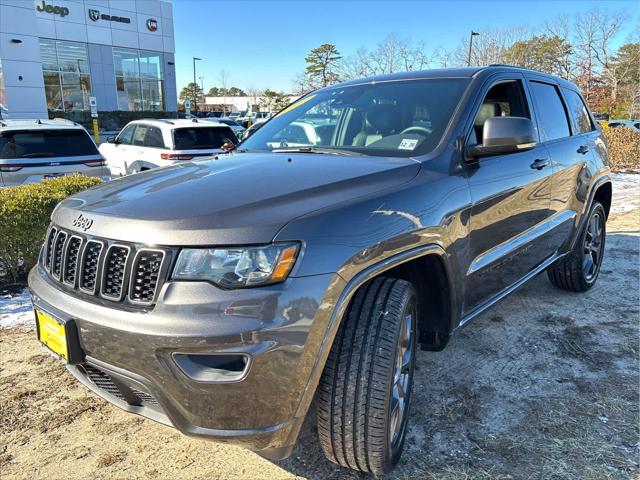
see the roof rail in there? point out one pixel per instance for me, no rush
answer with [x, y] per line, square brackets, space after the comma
[62, 120]
[163, 120]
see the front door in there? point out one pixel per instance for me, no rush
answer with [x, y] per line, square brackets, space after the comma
[510, 203]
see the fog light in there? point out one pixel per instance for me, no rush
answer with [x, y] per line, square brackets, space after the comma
[213, 367]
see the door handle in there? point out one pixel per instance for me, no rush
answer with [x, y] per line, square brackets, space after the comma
[540, 163]
[583, 149]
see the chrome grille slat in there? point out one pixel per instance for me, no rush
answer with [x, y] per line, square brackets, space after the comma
[57, 255]
[89, 266]
[131, 274]
[71, 257]
[113, 271]
[146, 269]
[49, 248]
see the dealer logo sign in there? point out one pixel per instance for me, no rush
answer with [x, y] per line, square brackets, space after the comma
[152, 24]
[95, 15]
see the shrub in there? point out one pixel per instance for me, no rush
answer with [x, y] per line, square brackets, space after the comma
[25, 213]
[623, 145]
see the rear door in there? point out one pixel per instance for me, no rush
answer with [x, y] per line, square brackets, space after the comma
[154, 147]
[571, 143]
[510, 200]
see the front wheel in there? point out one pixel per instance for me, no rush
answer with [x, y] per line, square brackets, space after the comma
[365, 390]
[579, 270]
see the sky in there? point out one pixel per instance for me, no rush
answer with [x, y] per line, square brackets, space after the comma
[263, 44]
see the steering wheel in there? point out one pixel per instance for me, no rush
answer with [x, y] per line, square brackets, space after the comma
[416, 129]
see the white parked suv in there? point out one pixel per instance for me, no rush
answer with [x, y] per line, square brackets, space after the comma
[31, 150]
[146, 144]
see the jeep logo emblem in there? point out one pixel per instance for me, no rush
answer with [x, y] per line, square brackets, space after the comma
[83, 223]
[54, 9]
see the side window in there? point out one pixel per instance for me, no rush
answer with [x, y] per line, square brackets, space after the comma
[139, 134]
[578, 112]
[126, 134]
[552, 117]
[154, 138]
[505, 99]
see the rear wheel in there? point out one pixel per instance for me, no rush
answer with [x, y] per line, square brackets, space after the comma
[579, 270]
[365, 390]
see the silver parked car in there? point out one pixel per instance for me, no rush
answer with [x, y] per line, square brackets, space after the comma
[31, 150]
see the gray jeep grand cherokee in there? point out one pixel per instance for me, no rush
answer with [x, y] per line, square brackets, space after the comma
[367, 219]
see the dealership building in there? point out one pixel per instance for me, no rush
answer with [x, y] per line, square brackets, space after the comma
[56, 54]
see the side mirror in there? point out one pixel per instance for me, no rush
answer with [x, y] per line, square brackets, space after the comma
[503, 135]
[227, 145]
[112, 139]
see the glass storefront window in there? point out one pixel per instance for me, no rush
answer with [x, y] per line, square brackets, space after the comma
[65, 67]
[3, 94]
[138, 80]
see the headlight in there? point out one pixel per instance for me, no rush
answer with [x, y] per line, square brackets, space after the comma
[237, 267]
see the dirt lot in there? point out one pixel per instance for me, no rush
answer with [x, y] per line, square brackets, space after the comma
[545, 385]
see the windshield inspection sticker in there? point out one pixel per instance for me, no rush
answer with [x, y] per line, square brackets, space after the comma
[407, 144]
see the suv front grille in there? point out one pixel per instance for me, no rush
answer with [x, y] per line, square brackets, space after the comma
[127, 273]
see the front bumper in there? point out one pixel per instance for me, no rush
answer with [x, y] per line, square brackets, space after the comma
[280, 328]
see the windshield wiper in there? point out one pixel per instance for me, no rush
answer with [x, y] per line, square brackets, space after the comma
[331, 151]
[37, 155]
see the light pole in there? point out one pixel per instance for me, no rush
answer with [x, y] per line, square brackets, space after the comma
[202, 87]
[195, 84]
[471, 35]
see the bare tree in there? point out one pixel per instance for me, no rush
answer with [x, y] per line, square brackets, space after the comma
[560, 27]
[490, 46]
[393, 54]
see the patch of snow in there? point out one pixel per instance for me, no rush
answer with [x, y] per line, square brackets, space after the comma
[17, 310]
[626, 192]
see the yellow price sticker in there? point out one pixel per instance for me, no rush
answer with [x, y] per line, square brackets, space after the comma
[294, 105]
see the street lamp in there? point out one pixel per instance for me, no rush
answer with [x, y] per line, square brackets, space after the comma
[195, 84]
[471, 35]
[202, 87]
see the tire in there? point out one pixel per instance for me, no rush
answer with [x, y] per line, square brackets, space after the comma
[357, 425]
[575, 272]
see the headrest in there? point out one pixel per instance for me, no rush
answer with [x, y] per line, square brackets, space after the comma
[383, 118]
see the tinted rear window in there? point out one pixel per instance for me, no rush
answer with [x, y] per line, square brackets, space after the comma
[202, 138]
[45, 144]
[551, 115]
[578, 112]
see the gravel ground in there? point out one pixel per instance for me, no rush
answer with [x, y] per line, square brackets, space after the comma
[544, 385]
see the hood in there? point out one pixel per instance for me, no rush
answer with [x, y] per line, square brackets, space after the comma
[232, 200]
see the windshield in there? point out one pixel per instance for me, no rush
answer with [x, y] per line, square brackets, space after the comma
[46, 143]
[202, 138]
[399, 118]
